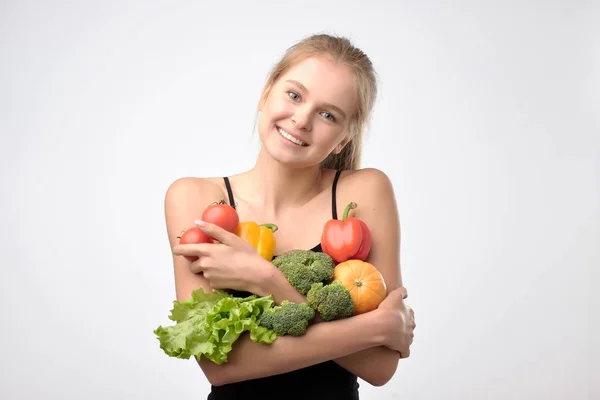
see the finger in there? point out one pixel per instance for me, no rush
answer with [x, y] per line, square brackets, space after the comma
[399, 294]
[216, 232]
[192, 249]
[394, 296]
[196, 267]
[216, 283]
[201, 266]
[405, 353]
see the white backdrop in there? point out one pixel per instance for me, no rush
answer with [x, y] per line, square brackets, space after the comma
[487, 124]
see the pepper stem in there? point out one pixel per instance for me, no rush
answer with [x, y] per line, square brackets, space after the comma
[352, 205]
[272, 227]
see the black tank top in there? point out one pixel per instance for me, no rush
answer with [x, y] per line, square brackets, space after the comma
[324, 381]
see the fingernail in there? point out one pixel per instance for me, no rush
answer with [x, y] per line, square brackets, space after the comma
[200, 223]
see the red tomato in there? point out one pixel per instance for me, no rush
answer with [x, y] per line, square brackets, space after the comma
[194, 235]
[222, 215]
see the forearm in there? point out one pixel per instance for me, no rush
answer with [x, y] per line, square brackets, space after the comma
[277, 285]
[322, 342]
[376, 365]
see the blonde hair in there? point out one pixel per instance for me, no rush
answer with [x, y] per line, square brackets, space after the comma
[340, 50]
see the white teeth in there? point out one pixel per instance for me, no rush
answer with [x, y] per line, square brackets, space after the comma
[291, 138]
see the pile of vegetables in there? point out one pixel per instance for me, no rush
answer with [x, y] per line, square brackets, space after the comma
[337, 282]
[208, 325]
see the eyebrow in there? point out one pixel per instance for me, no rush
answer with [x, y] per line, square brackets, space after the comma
[334, 107]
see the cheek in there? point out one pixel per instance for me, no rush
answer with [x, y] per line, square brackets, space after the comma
[330, 136]
[272, 111]
[279, 109]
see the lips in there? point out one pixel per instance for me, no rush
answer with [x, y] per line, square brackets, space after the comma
[291, 137]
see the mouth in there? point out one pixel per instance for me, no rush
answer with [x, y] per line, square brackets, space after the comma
[291, 138]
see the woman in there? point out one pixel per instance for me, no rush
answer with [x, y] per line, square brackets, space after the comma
[313, 110]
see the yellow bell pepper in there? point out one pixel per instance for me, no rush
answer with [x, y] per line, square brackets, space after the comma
[261, 237]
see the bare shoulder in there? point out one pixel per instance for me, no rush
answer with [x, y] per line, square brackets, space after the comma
[369, 186]
[186, 198]
[193, 186]
[369, 176]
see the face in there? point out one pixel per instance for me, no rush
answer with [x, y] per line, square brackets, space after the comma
[306, 114]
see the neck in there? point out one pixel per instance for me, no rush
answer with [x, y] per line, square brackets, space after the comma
[278, 186]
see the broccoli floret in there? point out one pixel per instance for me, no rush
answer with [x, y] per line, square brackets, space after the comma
[302, 268]
[288, 318]
[331, 301]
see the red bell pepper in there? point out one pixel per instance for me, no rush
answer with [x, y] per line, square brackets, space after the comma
[346, 239]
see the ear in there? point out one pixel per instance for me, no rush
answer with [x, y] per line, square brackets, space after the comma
[338, 149]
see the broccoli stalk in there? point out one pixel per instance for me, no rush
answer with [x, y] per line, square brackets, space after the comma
[288, 318]
[331, 301]
[302, 268]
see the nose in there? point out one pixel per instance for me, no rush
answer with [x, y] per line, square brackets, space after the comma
[301, 118]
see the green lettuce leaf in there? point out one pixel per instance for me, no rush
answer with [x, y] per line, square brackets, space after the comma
[208, 324]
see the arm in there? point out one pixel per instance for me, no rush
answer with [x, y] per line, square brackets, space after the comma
[322, 342]
[378, 209]
[375, 364]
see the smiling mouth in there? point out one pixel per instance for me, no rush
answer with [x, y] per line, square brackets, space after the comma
[291, 138]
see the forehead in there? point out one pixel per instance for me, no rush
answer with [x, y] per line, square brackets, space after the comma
[326, 82]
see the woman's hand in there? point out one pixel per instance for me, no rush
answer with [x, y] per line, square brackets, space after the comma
[400, 322]
[229, 263]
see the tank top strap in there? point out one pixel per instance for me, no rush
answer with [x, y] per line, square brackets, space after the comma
[334, 195]
[229, 192]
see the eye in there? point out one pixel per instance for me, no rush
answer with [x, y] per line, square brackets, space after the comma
[294, 96]
[328, 116]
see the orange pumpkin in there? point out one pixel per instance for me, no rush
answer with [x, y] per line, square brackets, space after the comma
[365, 283]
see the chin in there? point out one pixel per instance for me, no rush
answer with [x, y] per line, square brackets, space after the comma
[288, 158]
[291, 162]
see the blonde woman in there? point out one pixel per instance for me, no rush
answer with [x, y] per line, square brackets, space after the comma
[312, 114]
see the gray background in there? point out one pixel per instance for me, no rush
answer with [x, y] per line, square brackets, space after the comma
[487, 124]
